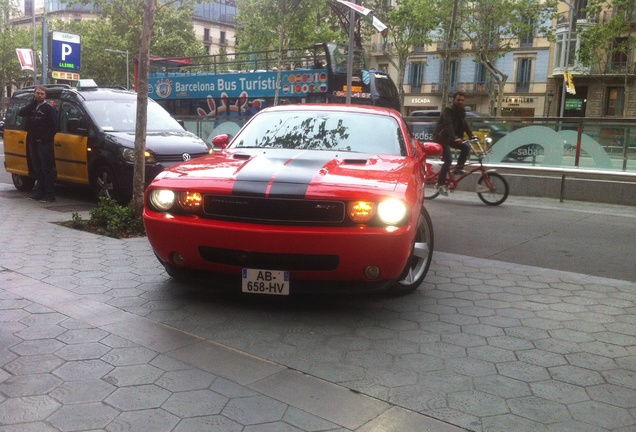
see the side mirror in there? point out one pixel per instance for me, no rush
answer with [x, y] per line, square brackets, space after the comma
[429, 149]
[221, 141]
[75, 127]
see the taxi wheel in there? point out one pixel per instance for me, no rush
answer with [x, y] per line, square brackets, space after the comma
[420, 260]
[22, 183]
[105, 183]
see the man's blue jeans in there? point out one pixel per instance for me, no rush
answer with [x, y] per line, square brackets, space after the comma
[447, 156]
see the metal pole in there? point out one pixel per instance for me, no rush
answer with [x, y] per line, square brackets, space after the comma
[127, 65]
[352, 17]
[567, 55]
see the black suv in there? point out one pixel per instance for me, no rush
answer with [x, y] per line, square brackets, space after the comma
[95, 141]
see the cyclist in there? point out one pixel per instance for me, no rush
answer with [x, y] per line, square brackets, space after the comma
[449, 132]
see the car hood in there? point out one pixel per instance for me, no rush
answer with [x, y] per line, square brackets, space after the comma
[164, 142]
[280, 172]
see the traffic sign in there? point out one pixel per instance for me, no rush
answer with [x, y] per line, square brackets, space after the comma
[65, 52]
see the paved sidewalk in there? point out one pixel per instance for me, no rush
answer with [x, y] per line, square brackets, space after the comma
[94, 336]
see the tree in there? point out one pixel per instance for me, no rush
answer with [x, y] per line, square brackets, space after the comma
[303, 23]
[609, 44]
[410, 25]
[493, 28]
[136, 20]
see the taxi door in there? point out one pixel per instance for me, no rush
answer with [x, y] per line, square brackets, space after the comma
[15, 140]
[71, 145]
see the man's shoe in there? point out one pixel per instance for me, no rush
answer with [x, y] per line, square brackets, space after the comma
[442, 190]
[36, 197]
[47, 200]
[459, 171]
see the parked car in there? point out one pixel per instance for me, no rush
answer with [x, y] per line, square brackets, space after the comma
[488, 131]
[96, 139]
[304, 198]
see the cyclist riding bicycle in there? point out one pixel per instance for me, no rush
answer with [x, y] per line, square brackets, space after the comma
[449, 132]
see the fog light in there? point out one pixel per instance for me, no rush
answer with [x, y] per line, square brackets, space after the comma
[177, 258]
[372, 272]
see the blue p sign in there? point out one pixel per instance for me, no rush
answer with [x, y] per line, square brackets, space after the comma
[65, 52]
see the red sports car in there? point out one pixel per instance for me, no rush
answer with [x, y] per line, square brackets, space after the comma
[304, 198]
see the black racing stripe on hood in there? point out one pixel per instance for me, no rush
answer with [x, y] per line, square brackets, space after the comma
[290, 173]
[253, 179]
[294, 179]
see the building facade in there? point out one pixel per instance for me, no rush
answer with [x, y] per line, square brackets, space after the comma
[535, 67]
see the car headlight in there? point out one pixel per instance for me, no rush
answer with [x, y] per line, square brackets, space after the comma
[162, 199]
[392, 211]
[190, 201]
[129, 155]
[361, 211]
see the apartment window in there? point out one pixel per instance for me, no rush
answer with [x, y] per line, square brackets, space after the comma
[206, 35]
[528, 39]
[619, 53]
[615, 102]
[481, 75]
[453, 75]
[559, 50]
[223, 38]
[524, 74]
[416, 73]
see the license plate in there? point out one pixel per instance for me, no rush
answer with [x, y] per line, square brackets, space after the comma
[273, 282]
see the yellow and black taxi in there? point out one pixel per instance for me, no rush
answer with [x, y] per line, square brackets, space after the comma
[96, 138]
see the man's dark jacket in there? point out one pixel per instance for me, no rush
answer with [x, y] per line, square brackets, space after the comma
[41, 121]
[451, 125]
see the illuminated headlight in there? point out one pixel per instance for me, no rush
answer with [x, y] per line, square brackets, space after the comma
[162, 199]
[488, 140]
[129, 155]
[361, 211]
[190, 201]
[392, 211]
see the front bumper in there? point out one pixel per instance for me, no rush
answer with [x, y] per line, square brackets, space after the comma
[308, 253]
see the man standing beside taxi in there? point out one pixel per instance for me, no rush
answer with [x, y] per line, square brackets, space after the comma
[41, 126]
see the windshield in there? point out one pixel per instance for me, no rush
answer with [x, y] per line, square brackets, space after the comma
[315, 130]
[119, 115]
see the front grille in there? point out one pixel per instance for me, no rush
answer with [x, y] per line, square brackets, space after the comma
[178, 157]
[270, 261]
[274, 210]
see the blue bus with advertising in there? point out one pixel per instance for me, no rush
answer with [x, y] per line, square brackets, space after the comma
[239, 84]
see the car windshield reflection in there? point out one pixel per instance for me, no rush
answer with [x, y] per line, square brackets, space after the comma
[339, 131]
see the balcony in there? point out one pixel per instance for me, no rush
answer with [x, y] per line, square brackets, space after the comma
[620, 69]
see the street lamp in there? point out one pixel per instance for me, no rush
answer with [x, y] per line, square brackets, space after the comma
[550, 99]
[127, 75]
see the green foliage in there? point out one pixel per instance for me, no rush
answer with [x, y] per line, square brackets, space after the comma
[264, 24]
[110, 219]
[609, 36]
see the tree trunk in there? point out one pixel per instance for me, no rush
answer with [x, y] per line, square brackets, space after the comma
[148, 20]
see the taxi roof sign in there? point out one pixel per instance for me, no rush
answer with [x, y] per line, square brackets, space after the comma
[86, 84]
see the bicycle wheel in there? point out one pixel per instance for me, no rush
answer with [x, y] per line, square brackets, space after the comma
[499, 191]
[430, 191]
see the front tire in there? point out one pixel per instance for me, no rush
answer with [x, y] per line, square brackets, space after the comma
[106, 184]
[23, 183]
[420, 259]
[498, 193]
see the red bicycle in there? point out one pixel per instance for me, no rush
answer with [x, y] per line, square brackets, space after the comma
[491, 187]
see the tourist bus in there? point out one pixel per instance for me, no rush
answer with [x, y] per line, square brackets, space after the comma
[230, 84]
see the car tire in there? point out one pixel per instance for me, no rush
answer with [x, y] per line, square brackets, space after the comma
[22, 183]
[420, 259]
[106, 184]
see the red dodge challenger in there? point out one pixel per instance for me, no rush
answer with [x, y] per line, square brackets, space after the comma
[317, 198]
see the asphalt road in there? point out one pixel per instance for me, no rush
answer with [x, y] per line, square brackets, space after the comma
[587, 238]
[580, 237]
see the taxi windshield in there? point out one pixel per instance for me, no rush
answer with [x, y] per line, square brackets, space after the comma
[119, 115]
